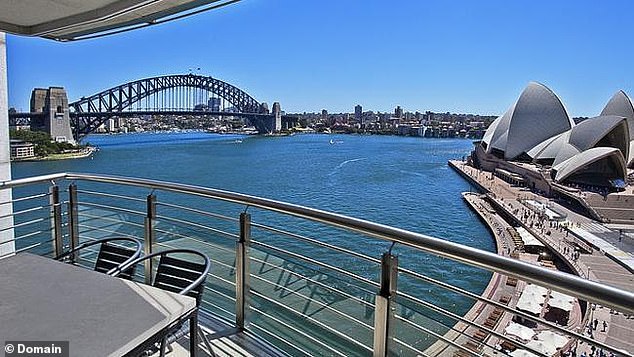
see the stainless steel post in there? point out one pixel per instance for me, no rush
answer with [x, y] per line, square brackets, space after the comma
[149, 235]
[242, 269]
[73, 219]
[383, 312]
[56, 220]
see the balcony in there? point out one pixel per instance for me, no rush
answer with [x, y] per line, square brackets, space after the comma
[291, 280]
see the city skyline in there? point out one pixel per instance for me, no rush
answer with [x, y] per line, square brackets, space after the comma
[459, 57]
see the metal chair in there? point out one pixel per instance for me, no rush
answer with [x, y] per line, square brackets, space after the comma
[181, 276]
[110, 256]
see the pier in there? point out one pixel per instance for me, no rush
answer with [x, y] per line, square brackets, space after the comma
[568, 237]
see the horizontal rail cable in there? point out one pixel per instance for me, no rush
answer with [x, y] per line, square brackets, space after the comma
[606, 295]
[318, 263]
[115, 223]
[198, 225]
[316, 282]
[454, 316]
[404, 344]
[112, 208]
[290, 343]
[229, 313]
[588, 290]
[25, 223]
[326, 306]
[164, 244]
[33, 246]
[219, 247]
[27, 235]
[461, 333]
[20, 199]
[15, 239]
[312, 320]
[32, 209]
[106, 218]
[291, 328]
[198, 211]
[439, 336]
[21, 249]
[507, 308]
[111, 195]
[91, 228]
[228, 297]
[316, 242]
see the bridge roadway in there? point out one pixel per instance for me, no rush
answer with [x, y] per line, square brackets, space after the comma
[594, 266]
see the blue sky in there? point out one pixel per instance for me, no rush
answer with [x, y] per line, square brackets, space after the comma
[458, 56]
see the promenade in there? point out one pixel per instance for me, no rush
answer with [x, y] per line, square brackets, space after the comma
[572, 240]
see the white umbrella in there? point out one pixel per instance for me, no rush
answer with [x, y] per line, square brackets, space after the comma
[553, 339]
[522, 353]
[520, 331]
[542, 347]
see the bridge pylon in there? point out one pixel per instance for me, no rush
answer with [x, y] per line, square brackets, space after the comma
[52, 103]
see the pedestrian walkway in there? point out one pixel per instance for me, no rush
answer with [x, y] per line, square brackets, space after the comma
[590, 263]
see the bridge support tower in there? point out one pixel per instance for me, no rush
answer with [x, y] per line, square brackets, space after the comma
[53, 103]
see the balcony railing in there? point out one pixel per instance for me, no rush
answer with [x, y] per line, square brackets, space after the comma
[307, 281]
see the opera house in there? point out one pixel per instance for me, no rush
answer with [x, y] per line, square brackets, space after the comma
[536, 144]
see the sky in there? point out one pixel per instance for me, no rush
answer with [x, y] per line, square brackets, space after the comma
[457, 56]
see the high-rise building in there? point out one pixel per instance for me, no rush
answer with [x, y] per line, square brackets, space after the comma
[213, 104]
[398, 112]
[358, 112]
[324, 114]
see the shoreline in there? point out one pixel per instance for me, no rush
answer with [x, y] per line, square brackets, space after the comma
[87, 152]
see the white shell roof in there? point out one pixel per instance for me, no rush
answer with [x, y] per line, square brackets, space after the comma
[549, 148]
[574, 163]
[587, 133]
[565, 152]
[488, 135]
[536, 116]
[621, 105]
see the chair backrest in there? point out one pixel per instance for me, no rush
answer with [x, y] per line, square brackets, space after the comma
[111, 256]
[176, 274]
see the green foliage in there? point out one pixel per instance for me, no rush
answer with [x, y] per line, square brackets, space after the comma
[43, 144]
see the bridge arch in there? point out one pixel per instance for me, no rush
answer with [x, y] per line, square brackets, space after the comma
[121, 97]
[170, 93]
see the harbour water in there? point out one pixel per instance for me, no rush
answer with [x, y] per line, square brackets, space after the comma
[398, 181]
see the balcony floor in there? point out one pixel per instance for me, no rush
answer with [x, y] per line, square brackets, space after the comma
[225, 340]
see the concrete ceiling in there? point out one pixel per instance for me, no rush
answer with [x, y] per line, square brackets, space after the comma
[67, 20]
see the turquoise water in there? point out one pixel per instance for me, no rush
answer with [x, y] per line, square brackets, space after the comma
[398, 181]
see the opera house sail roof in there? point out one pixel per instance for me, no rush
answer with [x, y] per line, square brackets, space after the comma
[621, 105]
[537, 129]
[536, 116]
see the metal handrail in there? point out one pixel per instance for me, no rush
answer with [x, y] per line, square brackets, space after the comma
[593, 291]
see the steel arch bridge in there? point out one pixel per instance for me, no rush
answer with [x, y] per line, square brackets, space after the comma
[171, 94]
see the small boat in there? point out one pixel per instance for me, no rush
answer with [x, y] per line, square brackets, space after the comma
[332, 142]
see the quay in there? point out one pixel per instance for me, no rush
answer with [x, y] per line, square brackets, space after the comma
[569, 241]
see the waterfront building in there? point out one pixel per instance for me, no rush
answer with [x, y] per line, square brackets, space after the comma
[537, 139]
[21, 150]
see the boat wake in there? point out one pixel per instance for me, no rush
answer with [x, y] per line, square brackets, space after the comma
[345, 163]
